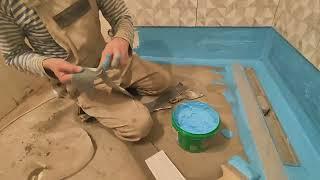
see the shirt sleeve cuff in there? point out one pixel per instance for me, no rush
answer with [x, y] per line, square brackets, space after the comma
[41, 70]
[126, 35]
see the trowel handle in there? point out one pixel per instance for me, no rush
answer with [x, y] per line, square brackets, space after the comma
[106, 63]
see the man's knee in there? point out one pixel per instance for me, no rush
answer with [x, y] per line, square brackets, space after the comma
[135, 133]
[144, 128]
[138, 126]
[162, 81]
[158, 83]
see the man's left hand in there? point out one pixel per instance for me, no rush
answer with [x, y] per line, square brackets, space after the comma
[118, 48]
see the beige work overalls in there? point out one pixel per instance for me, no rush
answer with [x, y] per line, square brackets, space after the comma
[75, 26]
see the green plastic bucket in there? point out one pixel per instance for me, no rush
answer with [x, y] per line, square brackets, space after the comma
[189, 136]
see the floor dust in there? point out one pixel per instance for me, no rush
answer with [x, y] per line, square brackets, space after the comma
[28, 148]
[201, 166]
[54, 121]
[115, 159]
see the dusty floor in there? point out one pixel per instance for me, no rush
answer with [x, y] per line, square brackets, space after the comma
[114, 159]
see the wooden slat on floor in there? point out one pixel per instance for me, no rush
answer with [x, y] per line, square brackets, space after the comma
[279, 137]
[271, 163]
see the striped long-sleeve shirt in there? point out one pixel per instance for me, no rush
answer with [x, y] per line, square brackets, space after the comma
[18, 22]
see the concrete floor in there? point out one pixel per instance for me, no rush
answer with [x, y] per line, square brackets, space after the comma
[114, 159]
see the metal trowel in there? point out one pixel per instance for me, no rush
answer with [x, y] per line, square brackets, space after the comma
[87, 76]
[186, 95]
[173, 95]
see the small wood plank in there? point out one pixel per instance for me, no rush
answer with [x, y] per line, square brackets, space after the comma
[230, 173]
[255, 82]
[284, 148]
[267, 153]
[162, 168]
[279, 137]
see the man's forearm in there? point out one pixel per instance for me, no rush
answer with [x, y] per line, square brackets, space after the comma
[125, 30]
[15, 51]
[26, 61]
[117, 14]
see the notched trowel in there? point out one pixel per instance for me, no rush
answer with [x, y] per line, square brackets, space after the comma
[186, 95]
[86, 78]
[173, 96]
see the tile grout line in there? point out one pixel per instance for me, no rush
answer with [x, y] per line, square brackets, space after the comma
[275, 14]
[196, 22]
[315, 51]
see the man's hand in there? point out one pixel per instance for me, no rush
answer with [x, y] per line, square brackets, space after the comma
[118, 48]
[61, 68]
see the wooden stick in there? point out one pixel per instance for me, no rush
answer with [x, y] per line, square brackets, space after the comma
[267, 153]
[279, 137]
[230, 173]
